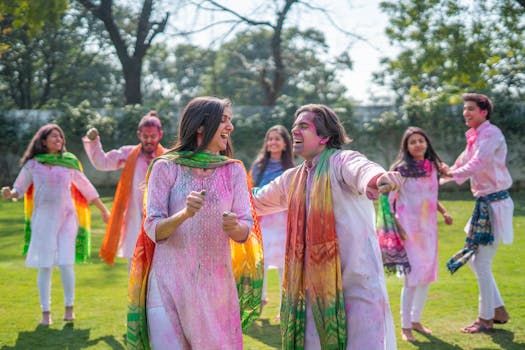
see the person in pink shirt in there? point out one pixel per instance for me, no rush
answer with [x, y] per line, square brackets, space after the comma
[415, 207]
[483, 163]
[334, 293]
[57, 191]
[124, 225]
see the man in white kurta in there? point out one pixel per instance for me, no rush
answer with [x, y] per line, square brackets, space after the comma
[354, 181]
[149, 133]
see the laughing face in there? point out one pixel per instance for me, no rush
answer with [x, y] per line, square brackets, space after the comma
[474, 116]
[306, 142]
[220, 140]
[54, 141]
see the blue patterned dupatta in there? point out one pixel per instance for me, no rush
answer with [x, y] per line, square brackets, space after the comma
[480, 231]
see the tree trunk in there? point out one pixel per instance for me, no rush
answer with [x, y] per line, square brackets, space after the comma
[132, 79]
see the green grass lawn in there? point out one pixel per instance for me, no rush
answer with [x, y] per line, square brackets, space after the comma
[100, 304]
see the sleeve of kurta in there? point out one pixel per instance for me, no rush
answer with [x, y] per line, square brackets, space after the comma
[24, 178]
[112, 160]
[271, 198]
[161, 180]
[487, 143]
[357, 171]
[83, 184]
[241, 197]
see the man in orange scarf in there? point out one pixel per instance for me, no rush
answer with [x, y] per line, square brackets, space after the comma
[126, 215]
[334, 293]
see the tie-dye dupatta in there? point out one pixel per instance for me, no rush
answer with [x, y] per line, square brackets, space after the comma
[83, 239]
[247, 261]
[313, 263]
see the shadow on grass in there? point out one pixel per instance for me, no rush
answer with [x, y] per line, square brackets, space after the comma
[267, 333]
[502, 337]
[505, 339]
[68, 337]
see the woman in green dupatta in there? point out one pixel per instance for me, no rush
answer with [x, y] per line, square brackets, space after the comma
[197, 201]
[56, 202]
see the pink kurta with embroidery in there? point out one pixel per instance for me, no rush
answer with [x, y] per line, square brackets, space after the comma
[484, 163]
[192, 268]
[114, 160]
[416, 210]
[368, 315]
[54, 222]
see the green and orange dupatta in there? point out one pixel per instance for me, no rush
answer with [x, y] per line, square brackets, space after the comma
[247, 261]
[313, 263]
[83, 240]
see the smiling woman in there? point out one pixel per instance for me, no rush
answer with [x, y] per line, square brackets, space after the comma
[197, 201]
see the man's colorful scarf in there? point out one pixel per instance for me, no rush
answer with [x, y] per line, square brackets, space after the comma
[480, 231]
[247, 261]
[109, 247]
[416, 168]
[83, 239]
[395, 257]
[312, 262]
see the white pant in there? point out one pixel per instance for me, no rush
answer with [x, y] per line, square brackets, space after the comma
[489, 296]
[412, 303]
[67, 274]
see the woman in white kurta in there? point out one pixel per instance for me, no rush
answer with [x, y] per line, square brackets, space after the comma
[54, 222]
[415, 206]
[274, 157]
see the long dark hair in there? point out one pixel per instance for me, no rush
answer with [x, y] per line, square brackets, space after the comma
[404, 158]
[37, 146]
[261, 162]
[206, 111]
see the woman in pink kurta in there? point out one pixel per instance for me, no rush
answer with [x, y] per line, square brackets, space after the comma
[193, 209]
[415, 205]
[54, 223]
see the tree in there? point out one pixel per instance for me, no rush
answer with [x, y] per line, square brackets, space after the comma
[31, 15]
[146, 31]
[450, 46]
[273, 74]
[55, 64]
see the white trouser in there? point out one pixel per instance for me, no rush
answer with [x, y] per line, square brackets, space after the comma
[160, 329]
[412, 303]
[265, 282]
[489, 296]
[67, 274]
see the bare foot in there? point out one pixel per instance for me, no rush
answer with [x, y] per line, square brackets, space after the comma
[406, 335]
[69, 315]
[417, 326]
[46, 318]
[277, 318]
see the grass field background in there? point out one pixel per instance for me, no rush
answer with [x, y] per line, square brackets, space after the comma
[100, 304]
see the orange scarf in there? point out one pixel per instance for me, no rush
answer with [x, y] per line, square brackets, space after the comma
[120, 206]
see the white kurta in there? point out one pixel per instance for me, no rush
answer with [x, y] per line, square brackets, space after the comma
[114, 160]
[54, 222]
[369, 319]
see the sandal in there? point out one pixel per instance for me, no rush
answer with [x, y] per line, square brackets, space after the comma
[477, 327]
